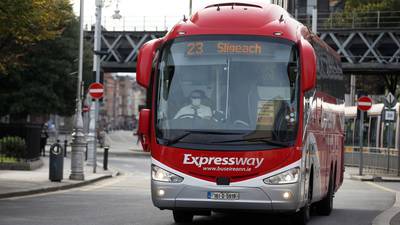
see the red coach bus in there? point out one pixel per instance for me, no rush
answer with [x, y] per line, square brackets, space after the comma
[244, 111]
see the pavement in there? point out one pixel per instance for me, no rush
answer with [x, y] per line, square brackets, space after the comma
[15, 183]
[387, 182]
[122, 143]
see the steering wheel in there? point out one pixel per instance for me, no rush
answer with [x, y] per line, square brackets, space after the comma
[190, 116]
[241, 122]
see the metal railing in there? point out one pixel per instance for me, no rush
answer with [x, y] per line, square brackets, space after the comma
[376, 161]
[344, 20]
[135, 23]
[325, 21]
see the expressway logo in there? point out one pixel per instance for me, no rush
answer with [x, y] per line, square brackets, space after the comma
[199, 161]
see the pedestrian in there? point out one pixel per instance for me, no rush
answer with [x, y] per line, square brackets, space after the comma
[43, 139]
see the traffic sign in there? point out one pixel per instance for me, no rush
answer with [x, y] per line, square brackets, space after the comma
[389, 115]
[86, 108]
[96, 90]
[364, 103]
[390, 100]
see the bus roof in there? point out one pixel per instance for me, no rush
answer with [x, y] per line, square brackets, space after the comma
[241, 19]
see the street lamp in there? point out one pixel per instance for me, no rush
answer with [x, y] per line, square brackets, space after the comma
[117, 14]
[190, 8]
[78, 137]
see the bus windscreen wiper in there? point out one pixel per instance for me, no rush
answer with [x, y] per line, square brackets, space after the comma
[188, 132]
[259, 139]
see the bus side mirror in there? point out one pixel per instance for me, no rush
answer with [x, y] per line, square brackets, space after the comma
[144, 129]
[145, 61]
[308, 65]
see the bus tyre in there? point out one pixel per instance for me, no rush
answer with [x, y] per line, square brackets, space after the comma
[182, 216]
[302, 217]
[325, 206]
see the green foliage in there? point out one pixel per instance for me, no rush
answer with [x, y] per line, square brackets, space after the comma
[23, 23]
[364, 14]
[47, 82]
[371, 5]
[12, 146]
[5, 159]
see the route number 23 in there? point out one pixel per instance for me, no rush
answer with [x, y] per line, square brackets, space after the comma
[194, 48]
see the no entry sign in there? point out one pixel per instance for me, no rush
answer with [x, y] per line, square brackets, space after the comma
[364, 103]
[96, 90]
[86, 108]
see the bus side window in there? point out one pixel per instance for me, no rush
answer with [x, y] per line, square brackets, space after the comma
[149, 91]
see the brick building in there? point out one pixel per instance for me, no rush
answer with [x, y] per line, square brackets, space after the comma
[122, 97]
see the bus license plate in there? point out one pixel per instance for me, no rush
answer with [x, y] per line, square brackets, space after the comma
[223, 195]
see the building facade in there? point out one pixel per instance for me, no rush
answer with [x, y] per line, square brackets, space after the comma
[122, 97]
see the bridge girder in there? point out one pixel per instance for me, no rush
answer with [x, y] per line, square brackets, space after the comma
[362, 51]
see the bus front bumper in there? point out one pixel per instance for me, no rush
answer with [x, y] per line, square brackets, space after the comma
[268, 198]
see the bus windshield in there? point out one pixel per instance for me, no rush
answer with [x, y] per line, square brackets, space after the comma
[227, 91]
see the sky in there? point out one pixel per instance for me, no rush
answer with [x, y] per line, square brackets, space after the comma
[148, 7]
[135, 10]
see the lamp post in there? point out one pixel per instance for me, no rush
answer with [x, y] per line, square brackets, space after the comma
[78, 138]
[190, 8]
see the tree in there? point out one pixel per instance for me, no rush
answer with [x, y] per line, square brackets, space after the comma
[391, 82]
[23, 23]
[46, 84]
[363, 14]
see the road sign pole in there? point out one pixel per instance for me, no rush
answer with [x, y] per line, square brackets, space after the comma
[361, 142]
[91, 137]
[398, 159]
[96, 67]
[364, 103]
[389, 142]
[390, 117]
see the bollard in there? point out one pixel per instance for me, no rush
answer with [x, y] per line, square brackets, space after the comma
[86, 152]
[105, 158]
[65, 148]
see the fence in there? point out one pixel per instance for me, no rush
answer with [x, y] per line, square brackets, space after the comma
[375, 160]
[327, 21]
[29, 132]
[135, 23]
[366, 20]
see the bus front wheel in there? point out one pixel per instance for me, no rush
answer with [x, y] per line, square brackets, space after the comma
[303, 216]
[182, 216]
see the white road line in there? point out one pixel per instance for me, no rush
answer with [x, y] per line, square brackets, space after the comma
[104, 184]
[381, 187]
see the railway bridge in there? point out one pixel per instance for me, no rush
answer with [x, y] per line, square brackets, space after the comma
[366, 46]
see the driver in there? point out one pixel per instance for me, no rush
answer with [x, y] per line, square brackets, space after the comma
[195, 107]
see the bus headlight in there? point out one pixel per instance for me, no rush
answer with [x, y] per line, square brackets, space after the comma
[288, 177]
[159, 174]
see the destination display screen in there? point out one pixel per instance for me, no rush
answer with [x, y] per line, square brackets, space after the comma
[224, 47]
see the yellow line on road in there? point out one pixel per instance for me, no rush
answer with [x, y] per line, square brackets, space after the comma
[381, 187]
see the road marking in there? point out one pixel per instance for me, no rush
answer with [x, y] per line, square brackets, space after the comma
[105, 183]
[381, 187]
